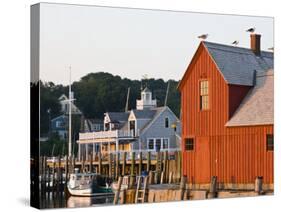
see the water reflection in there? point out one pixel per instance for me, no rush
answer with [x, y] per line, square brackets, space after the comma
[73, 202]
[59, 200]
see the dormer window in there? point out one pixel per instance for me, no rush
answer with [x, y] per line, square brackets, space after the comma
[204, 95]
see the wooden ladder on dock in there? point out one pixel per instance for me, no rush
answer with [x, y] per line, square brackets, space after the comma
[141, 191]
[112, 167]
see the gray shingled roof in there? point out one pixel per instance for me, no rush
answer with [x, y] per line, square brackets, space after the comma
[144, 114]
[237, 64]
[258, 106]
[157, 111]
[118, 116]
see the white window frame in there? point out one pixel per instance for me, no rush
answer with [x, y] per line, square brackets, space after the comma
[147, 144]
[154, 144]
[162, 144]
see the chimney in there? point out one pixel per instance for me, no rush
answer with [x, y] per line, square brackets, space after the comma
[256, 43]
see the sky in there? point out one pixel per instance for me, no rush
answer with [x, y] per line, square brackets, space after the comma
[133, 42]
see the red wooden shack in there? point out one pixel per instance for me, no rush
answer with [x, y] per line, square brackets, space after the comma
[227, 115]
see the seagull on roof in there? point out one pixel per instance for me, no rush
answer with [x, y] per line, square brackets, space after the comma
[271, 48]
[235, 42]
[252, 29]
[203, 36]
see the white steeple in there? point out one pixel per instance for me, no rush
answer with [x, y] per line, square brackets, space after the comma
[146, 101]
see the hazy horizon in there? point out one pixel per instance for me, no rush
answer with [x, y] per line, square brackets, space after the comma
[133, 42]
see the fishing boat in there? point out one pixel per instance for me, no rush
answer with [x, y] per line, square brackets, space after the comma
[88, 185]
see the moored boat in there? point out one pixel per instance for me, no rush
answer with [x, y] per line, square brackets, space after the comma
[88, 184]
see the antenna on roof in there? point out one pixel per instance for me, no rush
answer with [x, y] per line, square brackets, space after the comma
[167, 92]
[144, 77]
[127, 100]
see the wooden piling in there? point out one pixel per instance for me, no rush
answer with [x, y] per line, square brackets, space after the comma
[150, 178]
[100, 163]
[165, 157]
[124, 163]
[123, 197]
[182, 186]
[109, 165]
[162, 177]
[133, 164]
[170, 178]
[179, 165]
[148, 161]
[140, 163]
[258, 184]
[117, 164]
[213, 187]
[116, 196]
[132, 177]
[91, 163]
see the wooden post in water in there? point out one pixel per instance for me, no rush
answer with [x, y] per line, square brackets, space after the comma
[179, 165]
[170, 178]
[116, 196]
[53, 179]
[213, 187]
[66, 169]
[124, 164]
[109, 166]
[151, 178]
[163, 178]
[258, 184]
[100, 163]
[140, 163]
[117, 165]
[148, 161]
[91, 163]
[123, 197]
[132, 177]
[182, 186]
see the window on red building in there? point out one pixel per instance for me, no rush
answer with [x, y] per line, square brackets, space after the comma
[204, 95]
[189, 144]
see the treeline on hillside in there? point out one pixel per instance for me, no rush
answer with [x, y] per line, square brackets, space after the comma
[97, 93]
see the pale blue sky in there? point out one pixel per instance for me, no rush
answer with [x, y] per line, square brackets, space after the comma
[132, 42]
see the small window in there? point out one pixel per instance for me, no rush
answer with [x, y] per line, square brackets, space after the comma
[166, 122]
[204, 95]
[269, 142]
[158, 144]
[147, 97]
[150, 144]
[165, 143]
[59, 124]
[189, 144]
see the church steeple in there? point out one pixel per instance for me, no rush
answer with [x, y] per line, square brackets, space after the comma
[146, 101]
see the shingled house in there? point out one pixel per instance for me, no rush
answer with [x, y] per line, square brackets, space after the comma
[227, 116]
[146, 129]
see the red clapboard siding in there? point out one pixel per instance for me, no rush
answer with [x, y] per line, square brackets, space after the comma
[234, 154]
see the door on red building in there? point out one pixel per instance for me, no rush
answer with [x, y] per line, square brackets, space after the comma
[202, 160]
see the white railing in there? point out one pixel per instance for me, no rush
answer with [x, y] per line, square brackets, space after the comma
[142, 102]
[106, 134]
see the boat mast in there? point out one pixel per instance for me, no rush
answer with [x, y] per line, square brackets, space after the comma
[167, 92]
[69, 115]
[127, 101]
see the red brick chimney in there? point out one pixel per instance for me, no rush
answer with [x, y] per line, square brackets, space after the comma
[256, 43]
